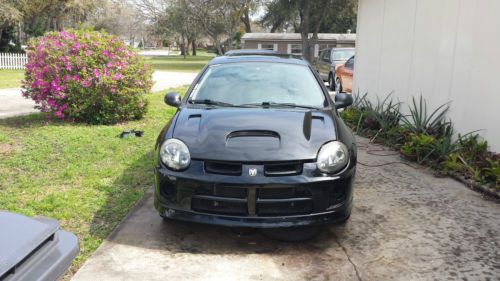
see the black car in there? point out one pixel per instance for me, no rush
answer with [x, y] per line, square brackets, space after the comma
[256, 142]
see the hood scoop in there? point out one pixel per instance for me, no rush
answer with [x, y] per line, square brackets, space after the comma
[253, 139]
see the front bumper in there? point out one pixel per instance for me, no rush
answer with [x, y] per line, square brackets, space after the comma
[260, 201]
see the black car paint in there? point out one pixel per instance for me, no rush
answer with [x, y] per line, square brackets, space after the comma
[295, 135]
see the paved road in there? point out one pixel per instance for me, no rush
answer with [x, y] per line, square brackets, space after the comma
[406, 225]
[12, 103]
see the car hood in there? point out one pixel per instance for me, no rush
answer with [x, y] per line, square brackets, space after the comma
[254, 134]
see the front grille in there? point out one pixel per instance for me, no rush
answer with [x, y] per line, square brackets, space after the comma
[283, 201]
[270, 169]
[223, 168]
[294, 206]
[275, 201]
[219, 205]
[282, 193]
[282, 169]
[220, 199]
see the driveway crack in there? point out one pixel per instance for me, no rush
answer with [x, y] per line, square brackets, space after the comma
[348, 257]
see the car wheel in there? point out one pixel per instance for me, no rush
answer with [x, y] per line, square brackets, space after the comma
[338, 85]
[331, 84]
[293, 234]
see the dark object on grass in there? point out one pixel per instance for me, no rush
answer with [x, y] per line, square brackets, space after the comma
[131, 133]
[34, 249]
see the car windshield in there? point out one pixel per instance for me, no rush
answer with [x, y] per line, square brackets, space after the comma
[343, 54]
[259, 83]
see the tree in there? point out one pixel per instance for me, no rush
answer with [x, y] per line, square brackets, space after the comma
[310, 18]
[280, 14]
[34, 17]
[119, 18]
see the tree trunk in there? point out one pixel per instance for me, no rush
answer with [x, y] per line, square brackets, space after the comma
[246, 21]
[183, 46]
[193, 49]
[276, 25]
[304, 31]
[189, 41]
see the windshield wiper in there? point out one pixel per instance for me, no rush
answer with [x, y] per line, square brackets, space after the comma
[211, 102]
[280, 104]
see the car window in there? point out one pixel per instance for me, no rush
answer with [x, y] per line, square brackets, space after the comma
[342, 54]
[326, 56]
[257, 82]
[350, 63]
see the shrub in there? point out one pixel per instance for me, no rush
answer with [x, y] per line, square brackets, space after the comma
[383, 115]
[419, 121]
[86, 76]
[419, 147]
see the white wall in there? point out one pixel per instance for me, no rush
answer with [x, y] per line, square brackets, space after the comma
[446, 50]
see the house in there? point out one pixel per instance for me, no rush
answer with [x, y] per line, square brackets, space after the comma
[444, 50]
[291, 43]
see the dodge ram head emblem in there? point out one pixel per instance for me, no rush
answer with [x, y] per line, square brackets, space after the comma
[252, 172]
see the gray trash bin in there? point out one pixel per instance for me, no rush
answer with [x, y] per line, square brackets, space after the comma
[34, 248]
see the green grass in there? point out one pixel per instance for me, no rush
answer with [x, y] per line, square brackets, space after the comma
[11, 78]
[179, 63]
[82, 175]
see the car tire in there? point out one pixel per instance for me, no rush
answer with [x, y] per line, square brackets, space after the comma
[293, 234]
[338, 85]
[331, 83]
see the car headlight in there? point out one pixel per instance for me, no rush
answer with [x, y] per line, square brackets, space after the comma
[175, 154]
[332, 157]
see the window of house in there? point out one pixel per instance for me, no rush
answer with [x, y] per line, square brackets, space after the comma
[296, 49]
[266, 46]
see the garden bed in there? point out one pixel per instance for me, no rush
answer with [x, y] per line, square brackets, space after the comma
[427, 137]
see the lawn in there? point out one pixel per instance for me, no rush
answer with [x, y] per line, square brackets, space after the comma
[82, 175]
[11, 78]
[179, 63]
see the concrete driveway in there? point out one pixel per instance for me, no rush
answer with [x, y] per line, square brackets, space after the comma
[406, 225]
[12, 103]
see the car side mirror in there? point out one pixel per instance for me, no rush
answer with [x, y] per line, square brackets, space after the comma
[343, 100]
[173, 99]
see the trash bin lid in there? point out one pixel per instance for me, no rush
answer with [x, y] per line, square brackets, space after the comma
[20, 236]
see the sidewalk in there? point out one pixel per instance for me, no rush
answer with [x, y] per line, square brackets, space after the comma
[12, 103]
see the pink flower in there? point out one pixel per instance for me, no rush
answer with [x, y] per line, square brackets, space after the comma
[86, 84]
[96, 72]
[117, 76]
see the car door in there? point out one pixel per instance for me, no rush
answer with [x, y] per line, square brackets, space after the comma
[324, 64]
[347, 74]
[317, 62]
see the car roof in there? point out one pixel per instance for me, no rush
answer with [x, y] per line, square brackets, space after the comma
[338, 49]
[261, 57]
[243, 52]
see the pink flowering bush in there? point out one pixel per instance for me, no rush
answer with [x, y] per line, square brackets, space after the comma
[86, 76]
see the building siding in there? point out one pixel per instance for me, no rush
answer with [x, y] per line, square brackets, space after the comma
[283, 45]
[446, 50]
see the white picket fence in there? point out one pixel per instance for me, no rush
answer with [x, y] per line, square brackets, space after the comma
[12, 61]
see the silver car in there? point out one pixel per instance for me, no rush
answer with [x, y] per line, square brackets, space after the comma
[328, 62]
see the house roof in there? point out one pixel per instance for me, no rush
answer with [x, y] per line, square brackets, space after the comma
[297, 36]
